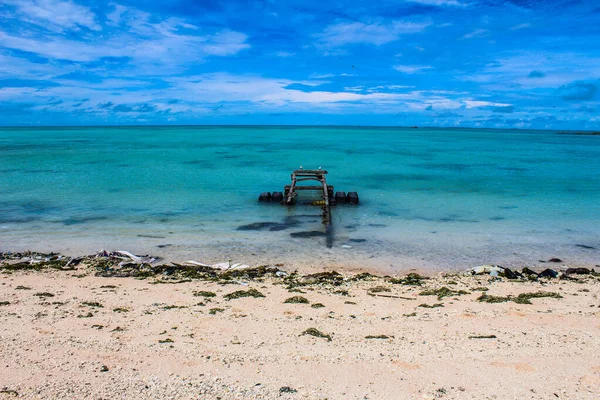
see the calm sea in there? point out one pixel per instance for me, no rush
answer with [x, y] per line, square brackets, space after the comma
[430, 198]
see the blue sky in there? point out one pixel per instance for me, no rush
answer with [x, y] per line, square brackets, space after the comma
[473, 63]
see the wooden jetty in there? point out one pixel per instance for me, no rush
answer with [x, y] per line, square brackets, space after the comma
[328, 198]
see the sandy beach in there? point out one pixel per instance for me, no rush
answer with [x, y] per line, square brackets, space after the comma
[72, 334]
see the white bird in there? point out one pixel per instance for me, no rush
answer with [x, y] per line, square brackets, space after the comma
[319, 167]
[301, 167]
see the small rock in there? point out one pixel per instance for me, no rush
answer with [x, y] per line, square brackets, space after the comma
[549, 273]
[555, 260]
[104, 368]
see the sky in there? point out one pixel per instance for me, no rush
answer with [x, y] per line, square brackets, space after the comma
[452, 63]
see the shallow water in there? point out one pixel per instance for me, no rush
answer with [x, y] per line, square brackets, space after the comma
[430, 198]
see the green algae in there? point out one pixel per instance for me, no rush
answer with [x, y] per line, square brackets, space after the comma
[412, 279]
[297, 300]
[316, 333]
[442, 292]
[203, 293]
[243, 293]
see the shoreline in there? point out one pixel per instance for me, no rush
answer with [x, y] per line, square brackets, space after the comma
[262, 334]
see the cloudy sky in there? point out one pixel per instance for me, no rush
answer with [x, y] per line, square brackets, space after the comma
[475, 63]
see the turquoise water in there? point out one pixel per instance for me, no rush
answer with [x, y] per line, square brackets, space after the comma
[430, 198]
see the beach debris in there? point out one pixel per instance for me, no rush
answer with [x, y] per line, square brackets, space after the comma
[483, 337]
[104, 368]
[316, 333]
[4, 303]
[297, 300]
[214, 311]
[203, 293]
[9, 391]
[412, 279]
[523, 298]
[287, 389]
[378, 337]
[436, 305]
[378, 289]
[318, 305]
[243, 293]
[442, 292]
[578, 271]
[92, 304]
[549, 273]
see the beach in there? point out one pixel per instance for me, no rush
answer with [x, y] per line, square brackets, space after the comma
[92, 329]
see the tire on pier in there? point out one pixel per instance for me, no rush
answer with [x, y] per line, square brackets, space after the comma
[264, 197]
[352, 198]
[340, 197]
[277, 197]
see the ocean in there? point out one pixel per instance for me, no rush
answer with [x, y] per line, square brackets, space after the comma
[437, 199]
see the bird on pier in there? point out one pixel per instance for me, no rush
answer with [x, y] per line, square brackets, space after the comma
[301, 167]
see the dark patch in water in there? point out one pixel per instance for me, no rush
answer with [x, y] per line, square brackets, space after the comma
[84, 220]
[377, 225]
[6, 219]
[513, 169]
[496, 218]
[508, 207]
[380, 179]
[357, 240]
[584, 246]
[308, 234]
[278, 228]
[151, 236]
[257, 226]
[388, 213]
[162, 246]
[113, 190]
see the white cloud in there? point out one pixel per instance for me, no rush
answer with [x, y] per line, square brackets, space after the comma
[412, 69]
[167, 42]
[475, 33]
[520, 26]
[376, 33]
[439, 3]
[477, 104]
[58, 13]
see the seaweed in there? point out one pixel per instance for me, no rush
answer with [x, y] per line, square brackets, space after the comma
[118, 329]
[92, 304]
[523, 298]
[483, 337]
[121, 309]
[365, 276]
[97, 326]
[378, 337]
[436, 305]
[167, 340]
[9, 391]
[297, 300]
[203, 293]
[171, 307]
[44, 294]
[413, 314]
[486, 298]
[243, 293]
[20, 287]
[316, 333]
[378, 289]
[480, 289]
[412, 279]
[318, 305]
[4, 303]
[108, 287]
[88, 315]
[442, 292]
[287, 389]
[213, 311]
